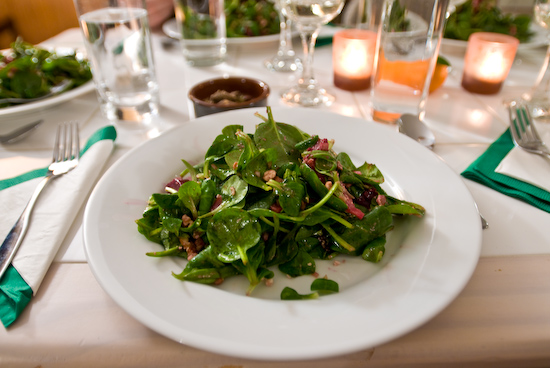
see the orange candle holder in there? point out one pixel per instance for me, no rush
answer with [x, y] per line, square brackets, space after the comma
[352, 58]
[488, 59]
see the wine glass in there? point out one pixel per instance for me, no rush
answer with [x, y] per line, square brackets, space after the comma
[285, 60]
[309, 16]
[538, 99]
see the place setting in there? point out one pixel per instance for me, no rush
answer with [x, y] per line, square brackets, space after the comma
[354, 277]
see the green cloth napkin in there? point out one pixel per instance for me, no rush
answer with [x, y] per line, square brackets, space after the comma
[323, 41]
[482, 171]
[15, 293]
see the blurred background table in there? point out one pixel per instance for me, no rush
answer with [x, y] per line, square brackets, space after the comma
[501, 319]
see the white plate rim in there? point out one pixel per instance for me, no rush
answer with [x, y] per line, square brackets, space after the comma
[435, 279]
[170, 29]
[48, 102]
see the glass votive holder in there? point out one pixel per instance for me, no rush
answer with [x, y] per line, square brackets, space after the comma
[488, 59]
[352, 58]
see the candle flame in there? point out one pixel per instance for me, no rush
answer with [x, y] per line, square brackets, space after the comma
[354, 60]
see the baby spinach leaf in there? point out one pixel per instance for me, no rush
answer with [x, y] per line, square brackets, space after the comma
[291, 294]
[286, 249]
[280, 137]
[231, 130]
[256, 167]
[189, 193]
[325, 286]
[301, 264]
[221, 145]
[318, 187]
[306, 143]
[375, 224]
[374, 251]
[206, 275]
[166, 201]
[172, 224]
[208, 193]
[255, 255]
[231, 232]
[400, 207]
[290, 195]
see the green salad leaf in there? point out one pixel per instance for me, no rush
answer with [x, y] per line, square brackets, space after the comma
[277, 197]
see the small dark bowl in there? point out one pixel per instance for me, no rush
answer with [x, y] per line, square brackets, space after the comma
[258, 90]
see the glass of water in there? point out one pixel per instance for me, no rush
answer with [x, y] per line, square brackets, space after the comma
[118, 43]
[309, 16]
[538, 99]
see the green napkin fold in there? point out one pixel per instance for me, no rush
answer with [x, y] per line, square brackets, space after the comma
[323, 41]
[482, 171]
[15, 293]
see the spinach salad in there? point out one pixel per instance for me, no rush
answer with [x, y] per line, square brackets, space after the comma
[28, 71]
[278, 197]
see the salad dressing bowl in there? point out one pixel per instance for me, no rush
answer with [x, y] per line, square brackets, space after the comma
[248, 92]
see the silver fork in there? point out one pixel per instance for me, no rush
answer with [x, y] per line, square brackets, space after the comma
[66, 154]
[523, 131]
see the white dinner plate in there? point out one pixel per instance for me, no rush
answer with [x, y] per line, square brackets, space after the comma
[48, 102]
[539, 39]
[427, 263]
[170, 29]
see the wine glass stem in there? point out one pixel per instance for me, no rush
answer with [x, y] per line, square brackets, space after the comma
[308, 43]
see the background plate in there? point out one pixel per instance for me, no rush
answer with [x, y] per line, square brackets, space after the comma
[427, 263]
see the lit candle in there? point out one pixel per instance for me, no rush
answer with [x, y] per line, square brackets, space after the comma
[488, 60]
[352, 58]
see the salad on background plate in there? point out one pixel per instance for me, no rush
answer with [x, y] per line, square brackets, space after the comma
[485, 16]
[28, 71]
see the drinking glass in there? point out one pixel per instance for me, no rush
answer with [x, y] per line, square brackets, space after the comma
[410, 34]
[309, 16]
[285, 60]
[538, 99]
[201, 24]
[118, 41]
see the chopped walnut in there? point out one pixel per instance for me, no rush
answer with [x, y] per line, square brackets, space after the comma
[269, 174]
[186, 221]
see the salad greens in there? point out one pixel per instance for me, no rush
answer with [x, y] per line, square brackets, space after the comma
[485, 16]
[244, 18]
[28, 71]
[278, 197]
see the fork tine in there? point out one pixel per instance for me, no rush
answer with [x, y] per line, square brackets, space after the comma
[514, 124]
[69, 148]
[76, 142]
[531, 125]
[56, 145]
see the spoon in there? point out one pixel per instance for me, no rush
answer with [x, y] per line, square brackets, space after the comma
[19, 132]
[415, 128]
[412, 126]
